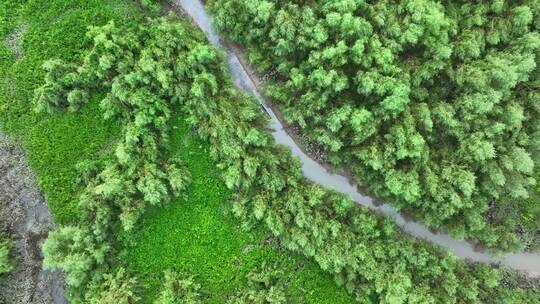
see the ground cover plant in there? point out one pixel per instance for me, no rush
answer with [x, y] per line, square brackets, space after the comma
[54, 143]
[433, 105]
[201, 238]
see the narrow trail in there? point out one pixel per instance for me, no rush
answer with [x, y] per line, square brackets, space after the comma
[244, 79]
[25, 217]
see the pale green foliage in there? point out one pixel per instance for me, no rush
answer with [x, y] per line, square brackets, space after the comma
[178, 289]
[75, 251]
[153, 6]
[6, 263]
[145, 81]
[162, 67]
[402, 92]
[60, 88]
[117, 288]
[140, 96]
[265, 286]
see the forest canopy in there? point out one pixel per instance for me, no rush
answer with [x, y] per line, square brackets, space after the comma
[433, 105]
[149, 73]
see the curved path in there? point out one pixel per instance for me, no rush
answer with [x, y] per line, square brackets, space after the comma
[526, 262]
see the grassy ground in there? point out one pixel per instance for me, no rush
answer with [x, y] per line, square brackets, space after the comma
[199, 236]
[196, 235]
[54, 143]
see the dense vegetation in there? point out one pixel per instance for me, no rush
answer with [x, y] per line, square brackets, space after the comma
[98, 284]
[200, 236]
[366, 253]
[433, 105]
[206, 241]
[113, 288]
[265, 285]
[54, 143]
[144, 75]
[178, 289]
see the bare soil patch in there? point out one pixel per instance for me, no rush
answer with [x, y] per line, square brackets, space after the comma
[25, 217]
[14, 41]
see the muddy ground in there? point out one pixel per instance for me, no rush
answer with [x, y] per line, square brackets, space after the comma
[25, 217]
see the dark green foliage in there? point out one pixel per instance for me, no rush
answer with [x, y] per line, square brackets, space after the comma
[177, 289]
[530, 290]
[6, 263]
[432, 105]
[531, 218]
[265, 286]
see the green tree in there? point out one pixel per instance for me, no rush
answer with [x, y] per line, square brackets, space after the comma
[432, 105]
[265, 286]
[177, 289]
[113, 288]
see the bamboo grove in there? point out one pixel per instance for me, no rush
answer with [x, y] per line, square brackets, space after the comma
[432, 105]
[151, 72]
